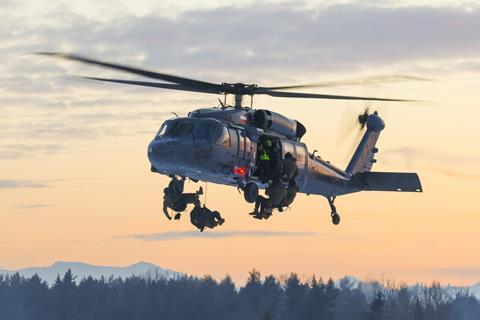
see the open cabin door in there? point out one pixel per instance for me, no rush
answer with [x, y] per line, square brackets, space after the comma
[299, 152]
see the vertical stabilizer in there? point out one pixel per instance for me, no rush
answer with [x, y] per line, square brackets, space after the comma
[363, 158]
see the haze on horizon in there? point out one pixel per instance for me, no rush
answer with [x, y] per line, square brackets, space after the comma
[75, 183]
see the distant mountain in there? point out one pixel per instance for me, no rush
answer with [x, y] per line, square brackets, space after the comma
[83, 270]
[475, 290]
[145, 269]
[370, 288]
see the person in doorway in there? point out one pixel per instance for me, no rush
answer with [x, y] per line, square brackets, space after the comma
[289, 169]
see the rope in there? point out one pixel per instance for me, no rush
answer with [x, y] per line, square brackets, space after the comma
[206, 190]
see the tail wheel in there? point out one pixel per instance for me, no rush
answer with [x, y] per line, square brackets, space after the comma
[335, 218]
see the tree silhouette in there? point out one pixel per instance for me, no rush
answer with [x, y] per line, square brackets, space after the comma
[154, 297]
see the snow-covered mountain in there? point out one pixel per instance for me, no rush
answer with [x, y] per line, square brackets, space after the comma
[83, 270]
[475, 290]
[370, 288]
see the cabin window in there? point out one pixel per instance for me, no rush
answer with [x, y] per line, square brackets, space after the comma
[301, 155]
[234, 140]
[241, 145]
[223, 138]
[288, 148]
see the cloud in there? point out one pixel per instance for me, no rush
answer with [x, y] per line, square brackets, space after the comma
[444, 163]
[458, 272]
[266, 43]
[411, 154]
[178, 235]
[16, 184]
[264, 38]
[34, 206]
[16, 151]
[449, 172]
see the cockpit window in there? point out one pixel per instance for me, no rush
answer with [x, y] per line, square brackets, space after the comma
[167, 128]
[204, 131]
[201, 130]
[183, 129]
[223, 137]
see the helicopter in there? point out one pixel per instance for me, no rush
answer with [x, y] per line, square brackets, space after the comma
[221, 144]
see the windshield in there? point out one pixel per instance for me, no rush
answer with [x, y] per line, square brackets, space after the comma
[167, 128]
[204, 130]
[201, 130]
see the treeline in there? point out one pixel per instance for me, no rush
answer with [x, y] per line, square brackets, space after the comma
[204, 298]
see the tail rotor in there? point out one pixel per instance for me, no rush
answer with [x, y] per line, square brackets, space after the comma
[351, 127]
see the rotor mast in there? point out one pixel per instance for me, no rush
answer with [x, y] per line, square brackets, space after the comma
[238, 100]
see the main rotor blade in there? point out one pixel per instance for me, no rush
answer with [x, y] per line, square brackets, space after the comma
[361, 81]
[285, 94]
[192, 83]
[171, 86]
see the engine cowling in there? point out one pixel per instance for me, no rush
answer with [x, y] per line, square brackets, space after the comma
[272, 121]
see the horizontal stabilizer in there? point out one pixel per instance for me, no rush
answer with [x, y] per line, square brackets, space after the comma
[392, 181]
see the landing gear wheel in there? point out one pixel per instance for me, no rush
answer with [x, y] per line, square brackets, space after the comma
[334, 214]
[250, 193]
[335, 218]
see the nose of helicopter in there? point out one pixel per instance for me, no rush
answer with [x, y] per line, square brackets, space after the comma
[161, 154]
[173, 156]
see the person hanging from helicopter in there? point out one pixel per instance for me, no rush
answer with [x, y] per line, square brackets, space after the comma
[175, 199]
[263, 209]
[202, 217]
[289, 196]
[276, 193]
[286, 178]
[281, 192]
[289, 169]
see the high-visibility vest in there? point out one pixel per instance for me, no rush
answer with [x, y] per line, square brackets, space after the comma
[264, 156]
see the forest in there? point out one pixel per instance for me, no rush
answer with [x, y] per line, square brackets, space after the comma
[286, 298]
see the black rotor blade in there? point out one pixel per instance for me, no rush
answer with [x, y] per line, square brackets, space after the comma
[171, 86]
[284, 94]
[361, 81]
[192, 83]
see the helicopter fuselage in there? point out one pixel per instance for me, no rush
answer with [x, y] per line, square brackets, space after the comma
[220, 146]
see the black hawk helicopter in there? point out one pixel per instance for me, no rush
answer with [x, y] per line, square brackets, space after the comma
[225, 144]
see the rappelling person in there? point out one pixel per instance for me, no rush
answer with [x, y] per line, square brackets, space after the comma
[289, 174]
[281, 192]
[276, 193]
[288, 169]
[202, 217]
[175, 199]
[263, 208]
[289, 196]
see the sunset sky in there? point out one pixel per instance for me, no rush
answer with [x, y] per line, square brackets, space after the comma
[75, 182]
